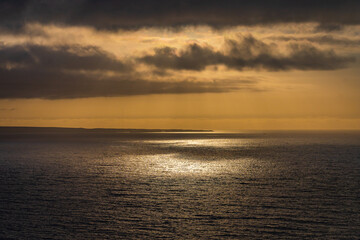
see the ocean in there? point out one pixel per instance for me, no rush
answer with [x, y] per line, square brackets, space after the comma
[127, 184]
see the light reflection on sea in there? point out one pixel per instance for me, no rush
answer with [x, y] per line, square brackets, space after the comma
[302, 185]
[173, 165]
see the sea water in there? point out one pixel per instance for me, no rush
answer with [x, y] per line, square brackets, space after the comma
[72, 184]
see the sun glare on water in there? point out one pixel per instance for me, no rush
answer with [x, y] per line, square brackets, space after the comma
[190, 158]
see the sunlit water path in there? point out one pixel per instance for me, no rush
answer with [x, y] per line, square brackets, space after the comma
[294, 185]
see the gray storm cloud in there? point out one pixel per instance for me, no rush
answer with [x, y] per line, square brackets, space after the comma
[55, 85]
[73, 71]
[60, 58]
[247, 53]
[33, 71]
[135, 14]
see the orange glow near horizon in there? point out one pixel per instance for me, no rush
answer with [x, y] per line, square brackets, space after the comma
[260, 99]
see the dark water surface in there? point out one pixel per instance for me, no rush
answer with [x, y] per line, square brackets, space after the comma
[118, 185]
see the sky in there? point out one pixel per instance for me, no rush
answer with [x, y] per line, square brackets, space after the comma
[226, 65]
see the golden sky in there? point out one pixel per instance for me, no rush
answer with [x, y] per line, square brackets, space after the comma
[192, 68]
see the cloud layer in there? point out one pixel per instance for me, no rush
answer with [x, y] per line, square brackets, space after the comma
[134, 14]
[54, 85]
[59, 58]
[33, 71]
[249, 53]
[322, 39]
[74, 71]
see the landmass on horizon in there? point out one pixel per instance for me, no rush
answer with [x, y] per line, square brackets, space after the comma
[66, 129]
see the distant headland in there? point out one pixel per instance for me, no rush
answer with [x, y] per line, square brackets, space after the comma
[5, 129]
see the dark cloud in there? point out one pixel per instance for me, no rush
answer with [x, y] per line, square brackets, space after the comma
[34, 71]
[134, 14]
[328, 27]
[20, 83]
[249, 53]
[59, 72]
[323, 39]
[59, 58]
[194, 57]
